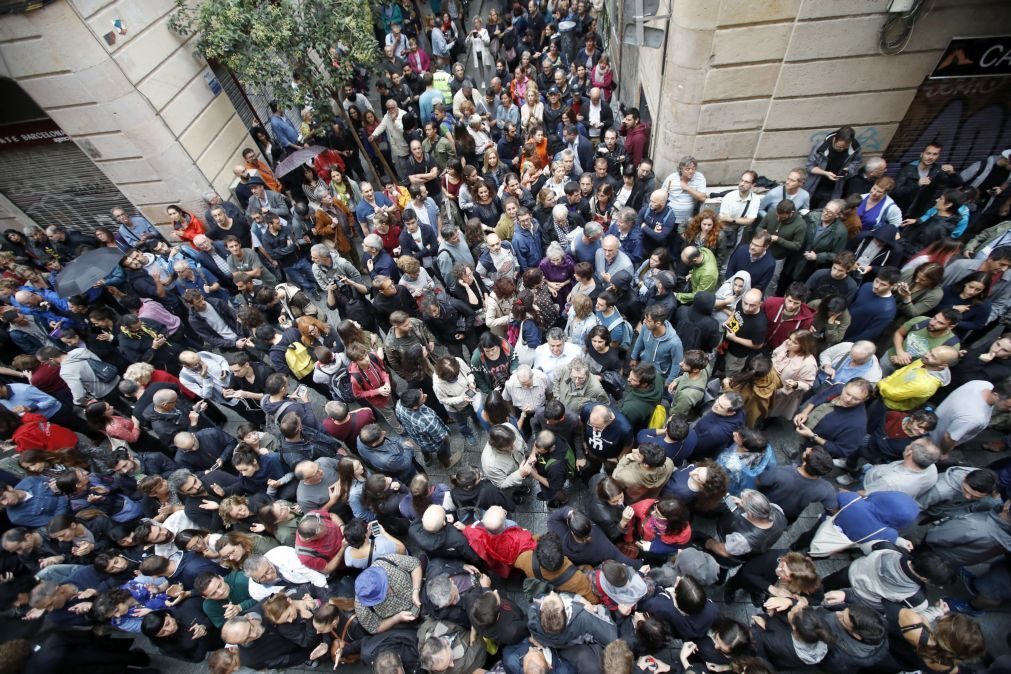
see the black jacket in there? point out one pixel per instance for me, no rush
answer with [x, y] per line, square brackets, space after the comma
[449, 543]
[213, 444]
[914, 199]
[139, 348]
[207, 333]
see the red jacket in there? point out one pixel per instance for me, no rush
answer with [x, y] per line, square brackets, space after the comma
[636, 142]
[500, 551]
[780, 325]
[37, 432]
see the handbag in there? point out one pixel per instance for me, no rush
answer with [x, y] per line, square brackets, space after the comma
[830, 539]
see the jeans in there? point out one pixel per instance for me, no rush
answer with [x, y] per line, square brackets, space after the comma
[58, 573]
[462, 419]
[300, 273]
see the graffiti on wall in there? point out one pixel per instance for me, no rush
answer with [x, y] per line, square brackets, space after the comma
[969, 118]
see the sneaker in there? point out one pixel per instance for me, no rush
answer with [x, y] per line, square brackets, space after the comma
[962, 606]
[471, 440]
[839, 463]
[845, 479]
[519, 499]
[541, 496]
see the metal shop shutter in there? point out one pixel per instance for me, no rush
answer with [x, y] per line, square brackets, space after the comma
[57, 184]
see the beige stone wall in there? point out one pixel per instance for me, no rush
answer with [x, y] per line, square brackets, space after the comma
[140, 108]
[750, 84]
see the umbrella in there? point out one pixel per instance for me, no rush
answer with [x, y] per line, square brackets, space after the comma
[83, 272]
[297, 159]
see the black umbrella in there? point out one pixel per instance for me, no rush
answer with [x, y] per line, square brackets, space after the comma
[85, 271]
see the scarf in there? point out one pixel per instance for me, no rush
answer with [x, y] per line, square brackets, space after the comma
[144, 330]
[809, 654]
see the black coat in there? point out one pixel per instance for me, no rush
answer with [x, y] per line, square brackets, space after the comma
[207, 333]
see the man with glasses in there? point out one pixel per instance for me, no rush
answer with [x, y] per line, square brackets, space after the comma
[259, 648]
[792, 189]
[739, 210]
[686, 188]
[134, 229]
[829, 240]
[498, 261]
[609, 259]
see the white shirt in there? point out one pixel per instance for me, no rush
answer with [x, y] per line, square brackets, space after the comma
[735, 206]
[523, 397]
[215, 379]
[290, 568]
[547, 362]
[680, 201]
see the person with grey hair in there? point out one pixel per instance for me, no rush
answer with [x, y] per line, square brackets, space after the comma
[564, 234]
[830, 236]
[914, 474]
[575, 386]
[446, 648]
[527, 390]
[555, 352]
[451, 588]
[497, 261]
[686, 188]
[610, 259]
[277, 569]
[849, 360]
[629, 236]
[751, 526]
[586, 242]
[861, 183]
[336, 275]
[453, 250]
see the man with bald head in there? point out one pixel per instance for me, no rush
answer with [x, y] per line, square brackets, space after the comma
[658, 224]
[204, 449]
[913, 385]
[45, 306]
[598, 115]
[849, 360]
[260, 648]
[610, 259]
[703, 274]
[746, 330]
[865, 178]
[437, 534]
[608, 435]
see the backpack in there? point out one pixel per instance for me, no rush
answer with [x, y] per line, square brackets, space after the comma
[570, 462]
[103, 372]
[628, 333]
[658, 419]
[538, 585]
[340, 386]
[298, 359]
[272, 420]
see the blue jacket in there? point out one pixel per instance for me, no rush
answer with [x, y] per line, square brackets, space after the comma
[527, 248]
[885, 512]
[393, 457]
[43, 506]
[631, 245]
[843, 428]
[429, 243]
[665, 352]
[715, 433]
[32, 398]
[284, 131]
[743, 475]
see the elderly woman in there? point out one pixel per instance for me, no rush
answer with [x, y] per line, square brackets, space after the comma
[415, 277]
[557, 267]
[797, 366]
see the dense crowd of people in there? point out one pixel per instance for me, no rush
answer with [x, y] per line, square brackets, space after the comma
[520, 284]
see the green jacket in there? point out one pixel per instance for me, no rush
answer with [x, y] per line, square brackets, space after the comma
[704, 278]
[238, 593]
[638, 405]
[791, 233]
[826, 244]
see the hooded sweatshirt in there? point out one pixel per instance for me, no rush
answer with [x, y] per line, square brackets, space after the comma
[665, 351]
[884, 576]
[76, 370]
[726, 292]
[585, 625]
[973, 538]
[945, 498]
[880, 516]
[638, 404]
[696, 326]
[848, 654]
[781, 325]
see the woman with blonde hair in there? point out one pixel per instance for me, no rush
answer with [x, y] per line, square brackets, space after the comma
[234, 548]
[236, 514]
[492, 168]
[778, 573]
[415, 277]
[580, 319]
[797, 366]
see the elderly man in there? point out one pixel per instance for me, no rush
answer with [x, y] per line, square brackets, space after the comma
[213, 257]
[434, 535]
[835, 419]
[575, 386]
[849, 360]
[207, 375]
[527, 390]
[445, 647]
[333, 274]
[556, 352]
[497, 261]
[45, 306]
[265, 200]
[317, 483]
[168, 415]
[685, 188]
[912, 386]
[608, 435]
[392, 124]
[571, 629]
[865, 178]
[586, 242]
[204, 449]
[610, 259]
[259, 647]
[388, 593]
[914, 474]
[597, 115]
[792, 189]
[190, 276]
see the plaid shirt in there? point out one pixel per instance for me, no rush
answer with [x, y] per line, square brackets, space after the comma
[423, 426]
